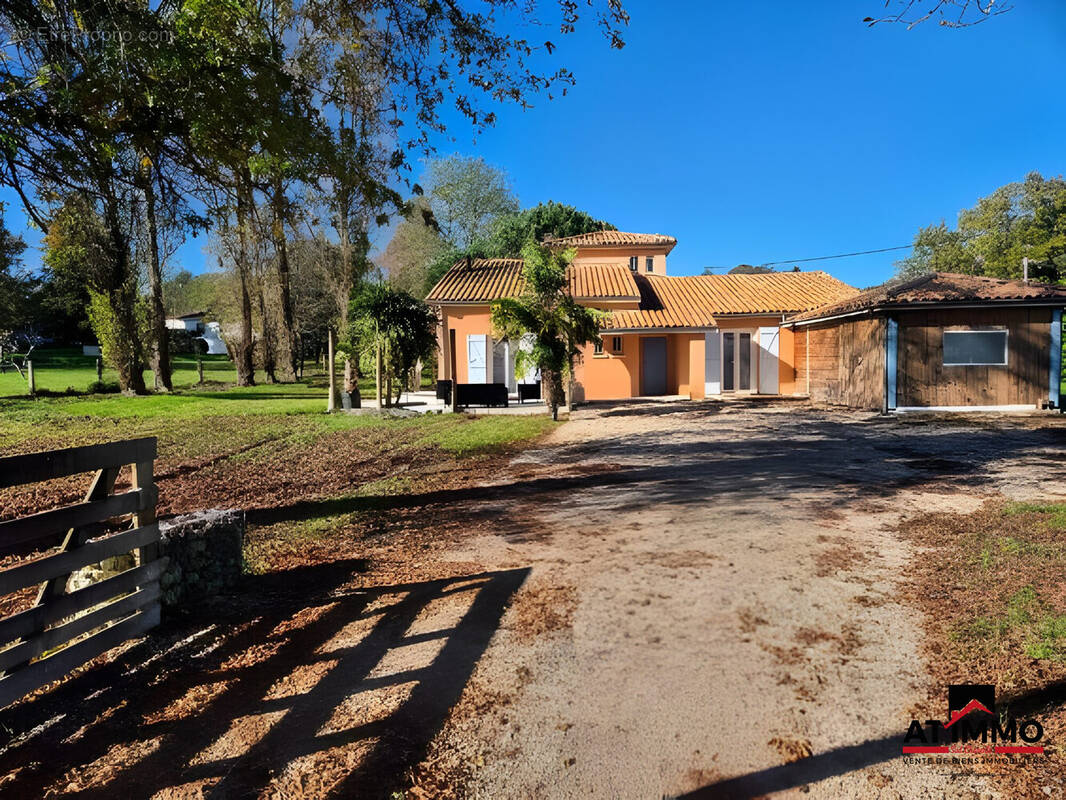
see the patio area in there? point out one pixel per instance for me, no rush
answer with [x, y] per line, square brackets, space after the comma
[427, 402]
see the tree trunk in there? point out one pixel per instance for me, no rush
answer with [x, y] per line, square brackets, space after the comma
[285, 339]
[267, 340]
[415, 378]
[351, 384]
[243, 350]
[122, 299]
[343, 291]
[160, 343]
[551, 383]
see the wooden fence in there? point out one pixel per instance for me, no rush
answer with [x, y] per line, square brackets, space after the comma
[63, 630]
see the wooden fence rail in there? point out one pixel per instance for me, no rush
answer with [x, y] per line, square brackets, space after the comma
[64, 629]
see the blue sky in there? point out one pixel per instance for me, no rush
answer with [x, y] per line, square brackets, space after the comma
[757, 132]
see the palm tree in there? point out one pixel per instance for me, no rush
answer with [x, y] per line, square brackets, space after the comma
[546, 312]
[400, 331]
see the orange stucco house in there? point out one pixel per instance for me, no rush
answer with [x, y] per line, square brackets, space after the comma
[691, 335]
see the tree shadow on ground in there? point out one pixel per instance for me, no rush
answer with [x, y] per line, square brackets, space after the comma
[227, 706]
[701, 408]
[845, 460]
[843, 760]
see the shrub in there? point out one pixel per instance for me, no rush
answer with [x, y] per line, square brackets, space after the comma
[103, 387]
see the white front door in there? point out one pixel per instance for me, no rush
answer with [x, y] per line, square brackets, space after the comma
[768, 362]
[477, 358]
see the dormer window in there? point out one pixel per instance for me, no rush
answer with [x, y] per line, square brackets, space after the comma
[634, 262]
[649, 264]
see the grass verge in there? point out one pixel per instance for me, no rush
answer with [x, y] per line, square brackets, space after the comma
[992, 586]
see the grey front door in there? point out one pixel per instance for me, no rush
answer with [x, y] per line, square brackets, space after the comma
[653, 365]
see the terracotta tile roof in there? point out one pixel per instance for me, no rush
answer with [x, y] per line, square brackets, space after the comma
[938, 288]
[687, 301]
[486, 279]
[614, 239]
[603, 281]
[479, 280]
[699, 301]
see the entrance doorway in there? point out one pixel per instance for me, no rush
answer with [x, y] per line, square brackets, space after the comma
[653, 365]
[736, 361]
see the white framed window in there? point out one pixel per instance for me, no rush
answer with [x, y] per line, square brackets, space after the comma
[634, 263]
[616, 344]
[597, 347]
[649, 264]
[975, 348]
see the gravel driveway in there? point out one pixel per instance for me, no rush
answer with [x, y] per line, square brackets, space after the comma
[712, 606]
[684, 599]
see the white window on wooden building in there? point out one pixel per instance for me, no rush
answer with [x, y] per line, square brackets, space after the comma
[975, 348]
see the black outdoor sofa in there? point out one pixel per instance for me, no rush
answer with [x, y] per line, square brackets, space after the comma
[473, 394]
[485, 394]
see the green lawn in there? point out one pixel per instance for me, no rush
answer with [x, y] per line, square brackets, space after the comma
[67, 370]
[64, 370]
[215, 417]
[258, 447]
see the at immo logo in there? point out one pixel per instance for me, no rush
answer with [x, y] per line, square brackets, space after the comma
[973, 726]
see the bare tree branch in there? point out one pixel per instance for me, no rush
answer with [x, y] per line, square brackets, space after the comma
[947, 13]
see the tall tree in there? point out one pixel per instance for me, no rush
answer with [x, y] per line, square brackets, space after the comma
[1026, 219]
[468, 196]
[15, 286]
[80, 245]
[936, 249]
[396, 330]
[552, 219]
[230, 45]
[547, 313]
[131, 105]
[415, 245]
[64, 141]
[514, 231]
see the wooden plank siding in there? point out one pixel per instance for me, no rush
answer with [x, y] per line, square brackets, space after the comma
[925, 381]
[842, 363]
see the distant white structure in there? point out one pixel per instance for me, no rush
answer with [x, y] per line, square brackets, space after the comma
[213, 336]
[194, 323]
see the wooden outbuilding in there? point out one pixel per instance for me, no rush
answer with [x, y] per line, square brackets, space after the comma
[944, 342]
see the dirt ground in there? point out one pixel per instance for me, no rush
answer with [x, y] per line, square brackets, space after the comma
[692, 599]
[730, 577]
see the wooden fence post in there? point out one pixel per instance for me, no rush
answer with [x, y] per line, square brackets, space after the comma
[200, 369]
[143, 479]
[377, 380]
[331, 404]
